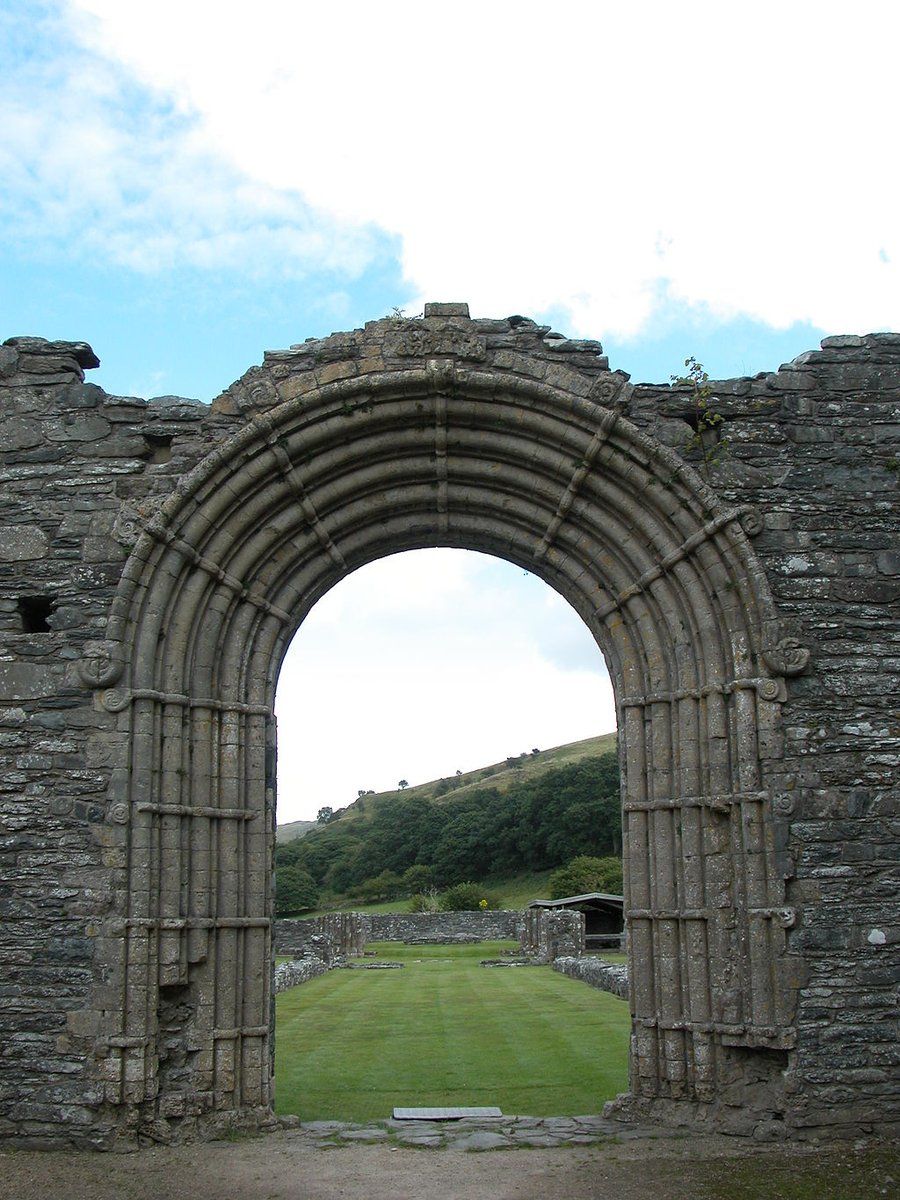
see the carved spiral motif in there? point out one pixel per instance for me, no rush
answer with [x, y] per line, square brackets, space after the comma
[127, 526]
[788, 657]
[262, 396]
[116, 699]
[255, 390]
[607, 391]
[132, 519]
[101, 665]
[752, 522]
[768, 689]
[119, 814]
[783, 804]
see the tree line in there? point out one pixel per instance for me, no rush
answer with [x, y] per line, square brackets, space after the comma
[407, 844]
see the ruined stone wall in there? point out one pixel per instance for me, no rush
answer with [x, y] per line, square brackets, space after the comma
[79, 472]
[349, 932]
[298, 970]
[344, 932]
[442, 927]
[607, 976]
[549, 933]
[814, 447]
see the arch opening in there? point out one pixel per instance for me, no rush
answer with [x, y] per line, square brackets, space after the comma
[426, 664]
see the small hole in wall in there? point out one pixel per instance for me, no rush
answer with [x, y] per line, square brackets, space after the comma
[692, 419]
[159, 447]
[35, 613]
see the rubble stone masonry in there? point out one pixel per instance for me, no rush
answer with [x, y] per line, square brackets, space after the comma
[742, 578]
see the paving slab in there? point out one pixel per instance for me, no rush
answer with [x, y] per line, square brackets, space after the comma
[483, 1139]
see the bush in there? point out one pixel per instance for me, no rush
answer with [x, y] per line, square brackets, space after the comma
[587, 874]
[295, 891]
[417, 879]
[385, 886]
[466, 897]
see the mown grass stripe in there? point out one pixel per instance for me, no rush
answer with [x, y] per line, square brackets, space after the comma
[352, 1045]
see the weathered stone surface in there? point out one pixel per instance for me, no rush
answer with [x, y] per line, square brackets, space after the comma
[442, 927]
[27, 681]
[40, 348]
[19, 433]
[19, 543]
[747, 603]
[610, 977]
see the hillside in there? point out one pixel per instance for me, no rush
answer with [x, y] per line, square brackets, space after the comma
[501, 776]
[523, 816]
[293, 829]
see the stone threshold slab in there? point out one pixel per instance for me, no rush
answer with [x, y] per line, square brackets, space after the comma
[443, 1114]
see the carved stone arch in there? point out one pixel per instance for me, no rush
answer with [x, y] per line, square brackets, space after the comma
[326, 477]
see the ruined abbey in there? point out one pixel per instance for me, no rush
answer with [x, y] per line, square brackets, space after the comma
[741, 577]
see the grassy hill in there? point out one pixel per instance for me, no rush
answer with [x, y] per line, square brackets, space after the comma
[294, 829]
[505, 826]
[500, 775]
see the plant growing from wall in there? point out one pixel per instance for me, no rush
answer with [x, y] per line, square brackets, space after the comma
[706, 441]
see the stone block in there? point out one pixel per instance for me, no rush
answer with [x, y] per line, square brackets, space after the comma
[22, 543]
[28, 681]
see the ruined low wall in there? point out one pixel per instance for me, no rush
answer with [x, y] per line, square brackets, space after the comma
[343, 933]
[544, 935]
[609, 977]
[442, 926]
[300, 970]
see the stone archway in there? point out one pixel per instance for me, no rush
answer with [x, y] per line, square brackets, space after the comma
[420, 434]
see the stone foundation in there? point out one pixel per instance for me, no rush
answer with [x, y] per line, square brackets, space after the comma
[608, 977]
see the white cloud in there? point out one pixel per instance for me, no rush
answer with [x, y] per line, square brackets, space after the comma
[99, 168]
[601, 159]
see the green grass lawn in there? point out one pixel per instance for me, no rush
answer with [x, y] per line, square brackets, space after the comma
[442, 1030]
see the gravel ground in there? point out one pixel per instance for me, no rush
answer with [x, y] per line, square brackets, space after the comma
[288, 1165]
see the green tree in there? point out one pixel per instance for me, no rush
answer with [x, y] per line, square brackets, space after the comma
[324, 815]
[386, 886]
[465, 849]
[295, 891]
[417, 878]
[587, 874]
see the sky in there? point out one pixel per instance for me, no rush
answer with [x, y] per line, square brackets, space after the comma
[185, 186]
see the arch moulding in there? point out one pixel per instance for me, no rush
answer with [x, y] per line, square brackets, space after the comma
[488, 436]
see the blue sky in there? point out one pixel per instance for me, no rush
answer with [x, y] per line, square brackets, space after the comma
[185, 185]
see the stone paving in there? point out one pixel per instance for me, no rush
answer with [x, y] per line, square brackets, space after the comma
[472, 1133]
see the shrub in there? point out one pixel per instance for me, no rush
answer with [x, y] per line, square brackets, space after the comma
[417, 878]
[385, 886]
[295, 891]
[466, 897]
[587, 874]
